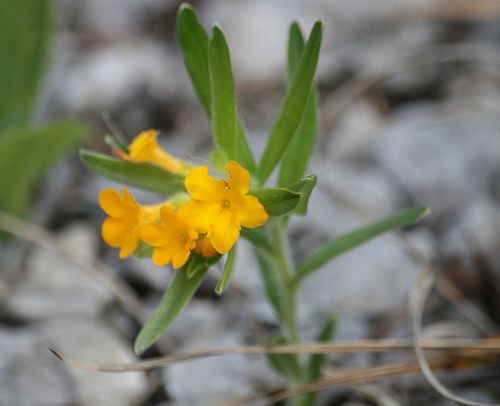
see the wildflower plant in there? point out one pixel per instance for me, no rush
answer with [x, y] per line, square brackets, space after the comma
[203, 218]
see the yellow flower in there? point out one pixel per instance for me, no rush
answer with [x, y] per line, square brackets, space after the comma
[220, 208]
[126, 217]
[174, 238]
[145, 148]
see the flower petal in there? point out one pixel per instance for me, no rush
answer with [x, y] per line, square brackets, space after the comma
[251, 212]
[201, 186]
[199, 214]
[154, 234]
[224, 232]
[240, 178]
[114, 231]
[112, 203]
[162, 256]
[129, 246]
[180, 258]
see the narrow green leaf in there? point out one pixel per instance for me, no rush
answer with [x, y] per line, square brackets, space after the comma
[228, 271]
[316, 361]
[141, 175]
[115, 143]
[294, 105]
[358, 237]
[272, 281]
[223, 94]
[24, 156]
[296, 44]
[144, 250]
[304, 186]
[177, 295]
[276, 201]
[194, 43]
[301, 146]
[285, 364]
[24, 34]
[244, 154]
[258, 238]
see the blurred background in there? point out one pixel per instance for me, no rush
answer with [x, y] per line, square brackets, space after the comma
[410, 96]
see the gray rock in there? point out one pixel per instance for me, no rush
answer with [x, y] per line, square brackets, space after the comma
[30, 375]
[55, 286]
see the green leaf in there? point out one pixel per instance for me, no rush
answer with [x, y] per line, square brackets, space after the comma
[276, 201]
[301, 146]
[228, 271]
[285, 364]
[178, 293]
[304, 186]
[141, 175]
[223, 95]
[194, 43]
[274, 288]
[115, 143]
[24, 34]
[244, 155]
[144, 250]
[25, 154]
[358, 237]
[256, 237]
[294, 105]
[316, 361]
[296, 44]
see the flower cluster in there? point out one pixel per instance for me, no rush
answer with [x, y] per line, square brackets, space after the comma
[209, 222]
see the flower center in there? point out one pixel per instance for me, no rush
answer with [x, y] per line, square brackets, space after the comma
[225, 203]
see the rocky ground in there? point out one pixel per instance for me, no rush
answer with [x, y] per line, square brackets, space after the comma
[410, 95]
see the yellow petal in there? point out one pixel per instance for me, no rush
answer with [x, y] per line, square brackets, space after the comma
[200, 215]
[129, 246]
[251, 212]
[153, 234]
[180, 258]
[169, 217]
[114, 231]
[240, 178]
[112, 203]
[162, 256]
[201, 186]
[145, 148]
[224, 232]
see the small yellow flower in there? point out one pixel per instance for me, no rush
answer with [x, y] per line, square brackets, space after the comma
[220, 208]
[174, 238]
[145, 148]
[126, 217]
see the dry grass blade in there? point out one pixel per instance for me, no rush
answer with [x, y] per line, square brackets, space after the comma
[104, 275]
[461, 347]
[418, 298]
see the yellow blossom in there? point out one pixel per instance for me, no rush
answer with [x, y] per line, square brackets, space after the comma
[126, 218]
[220, 208]
[174, 238]
[145, 148]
